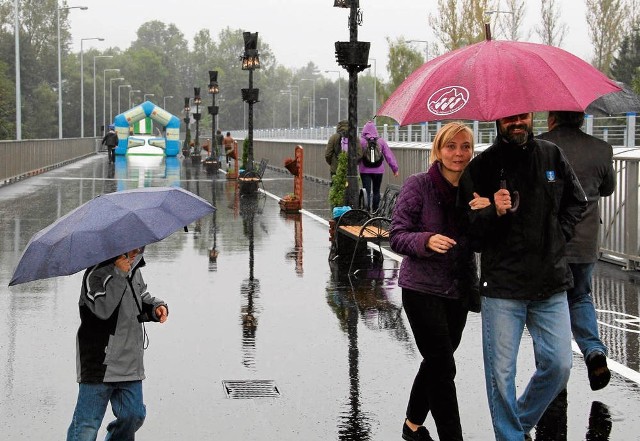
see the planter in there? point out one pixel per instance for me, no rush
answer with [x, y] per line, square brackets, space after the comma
[289, 206]
[291, 165]
[248, 185]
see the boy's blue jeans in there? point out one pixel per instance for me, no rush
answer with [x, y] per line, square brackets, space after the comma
[126, 403]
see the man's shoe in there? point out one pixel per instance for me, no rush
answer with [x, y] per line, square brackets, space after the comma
[422, 434]
[599, 374]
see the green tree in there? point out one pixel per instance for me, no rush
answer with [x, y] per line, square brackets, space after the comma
[459, 24]
[511, 23]
[606, 19]
[7, 104]
[625, 64]
[551, 31]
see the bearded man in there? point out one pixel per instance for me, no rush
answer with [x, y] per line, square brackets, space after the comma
[536, 200]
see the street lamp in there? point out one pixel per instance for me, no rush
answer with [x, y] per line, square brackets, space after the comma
[186, 119]
[84, 8]
[288, 92]
[426, 47]
[214, 89]
[327, 118]
[375, 83]
[164, 101]
[144, 97]
[313, 106]
[111, 80]
[339, 82]
[95, 121]
[120, 87]
[82, 40]
[104, 96]
[196, 116]
[16, 29]
[297, 102]
[132, 92]
[250, 61]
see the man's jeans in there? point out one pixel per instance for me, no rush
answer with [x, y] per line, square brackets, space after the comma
[126, 404]
[583, 314]
[503, 322]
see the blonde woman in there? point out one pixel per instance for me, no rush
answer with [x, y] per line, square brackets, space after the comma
[438, 279]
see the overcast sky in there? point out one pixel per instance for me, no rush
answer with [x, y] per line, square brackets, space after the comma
[298, 31]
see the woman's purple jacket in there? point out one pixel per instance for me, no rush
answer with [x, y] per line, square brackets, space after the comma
[369, 130]
[426, 206]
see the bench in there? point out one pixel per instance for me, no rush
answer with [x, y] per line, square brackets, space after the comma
[251, 178]
[356, 228]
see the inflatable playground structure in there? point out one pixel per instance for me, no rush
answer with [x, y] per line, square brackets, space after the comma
[135, 131]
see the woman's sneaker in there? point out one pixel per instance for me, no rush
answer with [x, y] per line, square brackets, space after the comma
[422, 434]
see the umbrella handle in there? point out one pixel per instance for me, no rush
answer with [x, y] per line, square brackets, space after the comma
[515, 197]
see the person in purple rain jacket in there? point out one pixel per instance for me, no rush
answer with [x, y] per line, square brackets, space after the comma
[438, 277]
[371, 176]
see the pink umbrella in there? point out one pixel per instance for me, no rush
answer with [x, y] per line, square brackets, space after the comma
[493, 79]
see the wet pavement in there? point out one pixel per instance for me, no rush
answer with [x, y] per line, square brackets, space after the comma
[252, 296]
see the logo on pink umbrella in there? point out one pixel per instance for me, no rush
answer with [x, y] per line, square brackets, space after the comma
[448, 100]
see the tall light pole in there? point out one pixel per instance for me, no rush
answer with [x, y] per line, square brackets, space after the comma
[120, 87]
[426, 47]
[214, 89]
[288, 92]
[144, 97]
[313, 106]
[95, 122]
[339, 87]
[297, 102]
[16, 26]
[111, 80]
[104, 97]
[250, 62]
[164, 101]
[326, 124]
[82, 40]
[375, 84]
[132, 92]
[84, 8]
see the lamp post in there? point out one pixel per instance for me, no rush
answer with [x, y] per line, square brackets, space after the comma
[339, 83]
[426, 47]
[196, 116]
[120, 87]
[186, 119]
[313, 105]
[326, 124]
[104, 96]
[297, 102]
[250, 62]
[144, 97]
[82, 40]
[164, 101]
[214, 89]
[353, 56]
[288, 92]
[16, 28]
[111, 80]
[95, 117]
[132, 92]
[58, 9]
[375, 83]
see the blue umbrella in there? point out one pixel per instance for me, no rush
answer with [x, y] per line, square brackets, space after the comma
[105, 227]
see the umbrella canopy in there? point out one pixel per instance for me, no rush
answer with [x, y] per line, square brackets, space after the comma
[615, 103]
[492, 79]
[105, 227]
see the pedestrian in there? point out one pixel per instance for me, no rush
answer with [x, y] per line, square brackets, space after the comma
[114, 303]
[217, 143]
[228, 143]
[110, 139]
[536, 203]
[375, 151]
[438, 277]
[335, 146]
[592, 162]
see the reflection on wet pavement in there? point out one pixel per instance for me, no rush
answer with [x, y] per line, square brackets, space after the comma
[254, 297]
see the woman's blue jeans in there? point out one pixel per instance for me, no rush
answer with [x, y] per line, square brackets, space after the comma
[503, 322]
[584, 324]
[126, 403]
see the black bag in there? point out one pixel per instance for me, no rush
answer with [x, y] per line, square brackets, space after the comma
[372, 156]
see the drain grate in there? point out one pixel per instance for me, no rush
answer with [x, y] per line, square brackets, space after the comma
[247, 389]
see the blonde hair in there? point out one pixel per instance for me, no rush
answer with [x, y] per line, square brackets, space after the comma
[445, 134]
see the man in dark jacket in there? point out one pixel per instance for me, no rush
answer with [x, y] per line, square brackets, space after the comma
[592, 161]
[111, 340]
[536, 202]
[334, 146]
[111, 141]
